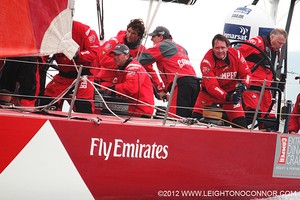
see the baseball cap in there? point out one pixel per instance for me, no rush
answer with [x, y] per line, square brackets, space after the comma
[161, 30]
[121, 48]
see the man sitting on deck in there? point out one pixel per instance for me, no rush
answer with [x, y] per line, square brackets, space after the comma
[225, 76]
[132, 80]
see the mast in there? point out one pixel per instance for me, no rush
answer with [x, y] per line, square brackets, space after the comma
[283, 59]
[100, 15]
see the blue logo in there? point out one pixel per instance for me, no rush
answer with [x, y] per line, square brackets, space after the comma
[236, 32]
[243, 10]
[264, 31]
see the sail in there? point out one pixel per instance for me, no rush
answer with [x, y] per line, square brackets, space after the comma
[36, 27]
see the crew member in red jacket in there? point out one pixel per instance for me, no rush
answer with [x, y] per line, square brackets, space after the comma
[87, 55]
[294, 123]
[172, 58]
[271, 45]
[225, 76]
[133, 80]
[132, 38]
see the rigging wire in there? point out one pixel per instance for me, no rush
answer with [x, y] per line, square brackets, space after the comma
[100, 14]
[150, 19]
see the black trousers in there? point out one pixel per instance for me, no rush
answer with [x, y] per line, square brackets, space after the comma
[188, 90]
[20, 72]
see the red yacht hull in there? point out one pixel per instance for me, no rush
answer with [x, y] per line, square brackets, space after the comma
[139, 159]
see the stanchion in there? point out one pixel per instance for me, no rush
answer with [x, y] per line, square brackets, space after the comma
[170, 99]
[75, 92]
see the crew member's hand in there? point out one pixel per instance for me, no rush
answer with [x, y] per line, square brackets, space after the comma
[164, 96]
[241, 87]
[234, 97]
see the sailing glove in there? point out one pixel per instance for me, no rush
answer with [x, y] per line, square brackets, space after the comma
[234, 97]
[241, 87]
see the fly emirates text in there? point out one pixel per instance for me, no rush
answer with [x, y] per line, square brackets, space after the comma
[119, 148]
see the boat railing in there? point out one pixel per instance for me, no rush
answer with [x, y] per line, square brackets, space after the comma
[108, 104]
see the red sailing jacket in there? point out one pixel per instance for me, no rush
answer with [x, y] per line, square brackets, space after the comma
[222, 76]
[89, 44]
[170, 58]
[294, 123]
[135, 82]
[251, 54]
